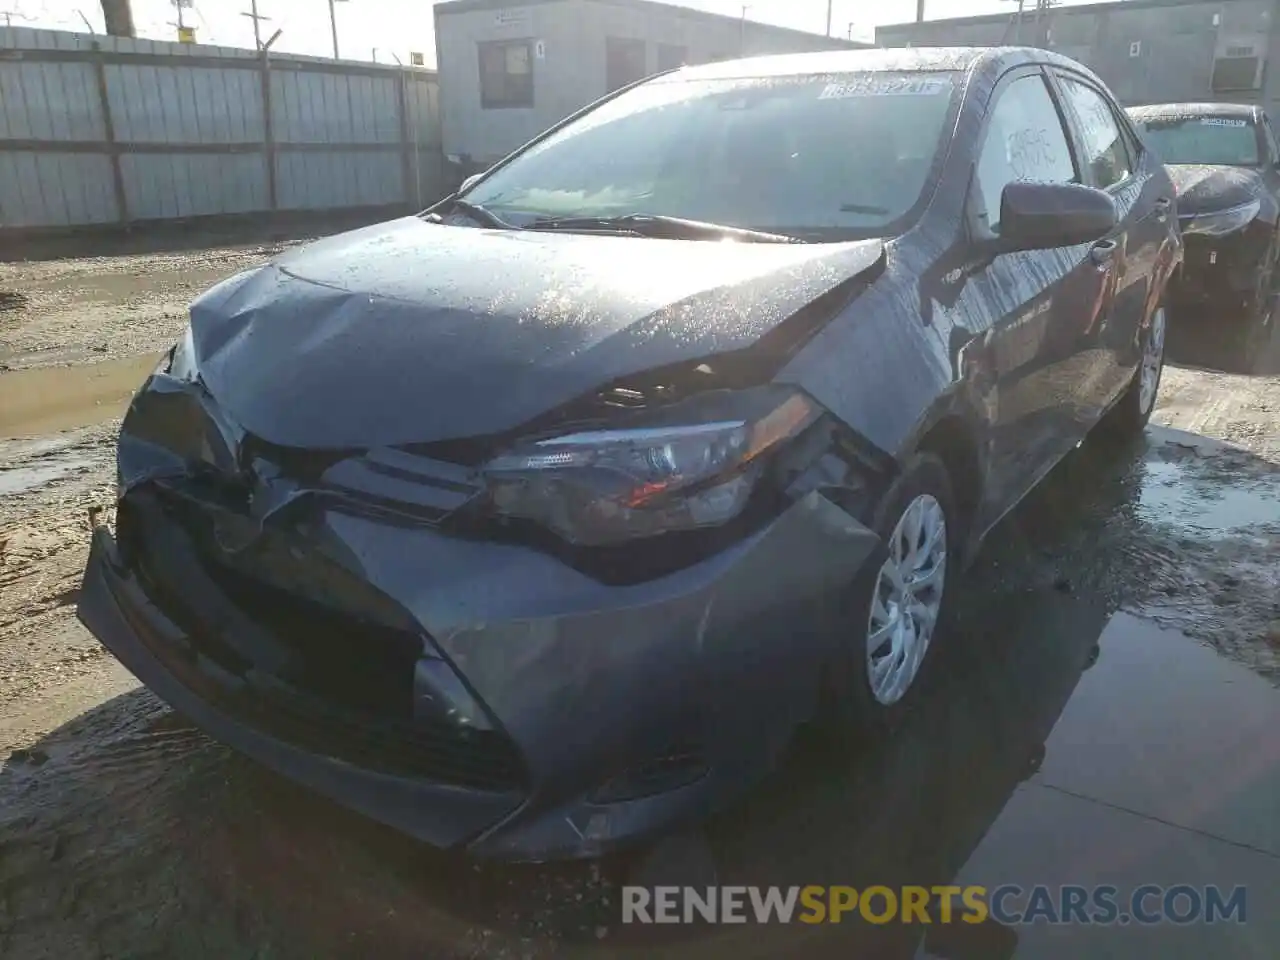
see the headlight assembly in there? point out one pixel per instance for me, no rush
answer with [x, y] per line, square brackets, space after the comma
[181, 360]
[1221, 222]
[691, 465]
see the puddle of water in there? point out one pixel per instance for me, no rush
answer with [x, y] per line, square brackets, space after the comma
[23, 479]
[40, 446]
[114, 288]
[48, 399]
[1178, 492]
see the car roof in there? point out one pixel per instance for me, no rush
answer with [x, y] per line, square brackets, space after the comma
[1248, 111]
[897, 59]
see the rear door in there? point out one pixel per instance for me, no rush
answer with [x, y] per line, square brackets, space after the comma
[1039, 301]
[1113, 160]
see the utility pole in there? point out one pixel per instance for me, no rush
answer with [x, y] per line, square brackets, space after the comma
[829, 3]
[333, 27]
[920, 11]
[255, 17]
[1013, 29]
[742, 29]
[1043, 9]
[118, 17]
[185, 34]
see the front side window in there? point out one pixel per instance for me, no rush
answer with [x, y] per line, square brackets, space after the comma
[827, 157]
[1024, 141]
[1105, 150]
[506, 74]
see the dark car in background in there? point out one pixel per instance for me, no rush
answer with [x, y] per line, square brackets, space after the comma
[535, 524]
[1225, 162]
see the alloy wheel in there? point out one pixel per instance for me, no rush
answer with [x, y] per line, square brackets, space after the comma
[1152, 362]
[907, 599]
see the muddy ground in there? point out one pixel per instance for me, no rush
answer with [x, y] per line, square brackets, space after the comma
[124, 833]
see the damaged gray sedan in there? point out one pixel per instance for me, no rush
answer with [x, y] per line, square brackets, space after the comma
[537, 523]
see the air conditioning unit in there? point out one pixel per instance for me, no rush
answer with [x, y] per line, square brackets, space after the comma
[1238, 67]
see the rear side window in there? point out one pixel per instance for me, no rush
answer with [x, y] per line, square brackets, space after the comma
[1105, 151]
[1025, 141]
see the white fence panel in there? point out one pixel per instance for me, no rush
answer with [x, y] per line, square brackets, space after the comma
[100, 130]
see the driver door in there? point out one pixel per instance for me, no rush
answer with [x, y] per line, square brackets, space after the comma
[1040, 301]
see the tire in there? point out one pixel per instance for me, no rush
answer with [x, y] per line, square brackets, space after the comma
[854, 705]
[1129, 417]
[1255, 331]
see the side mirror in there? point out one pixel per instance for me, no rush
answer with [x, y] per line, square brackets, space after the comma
[468, 183]
[1038, 216]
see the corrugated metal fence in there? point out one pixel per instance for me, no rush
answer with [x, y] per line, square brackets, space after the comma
[107, 130]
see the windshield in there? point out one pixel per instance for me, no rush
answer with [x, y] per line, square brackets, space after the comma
[816, 157]
[1226, 140]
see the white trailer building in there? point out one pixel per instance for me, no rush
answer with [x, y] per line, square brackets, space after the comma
[507, 72]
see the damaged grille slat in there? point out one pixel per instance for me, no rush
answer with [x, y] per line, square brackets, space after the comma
[397, 477]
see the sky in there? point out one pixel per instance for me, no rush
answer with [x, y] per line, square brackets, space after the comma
[386, 29]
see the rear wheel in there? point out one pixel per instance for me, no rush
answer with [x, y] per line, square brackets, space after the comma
[897, 610]
[1132, 411]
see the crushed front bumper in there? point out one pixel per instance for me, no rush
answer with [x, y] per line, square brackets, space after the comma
[1220, 271]
[588, 686]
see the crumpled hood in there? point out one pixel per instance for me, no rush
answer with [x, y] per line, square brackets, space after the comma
[1205, 188]
[410, 331]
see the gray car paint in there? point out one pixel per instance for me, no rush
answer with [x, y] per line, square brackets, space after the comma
[328, 349]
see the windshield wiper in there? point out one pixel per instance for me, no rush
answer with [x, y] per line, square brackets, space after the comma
[654, 225]
[479, 214]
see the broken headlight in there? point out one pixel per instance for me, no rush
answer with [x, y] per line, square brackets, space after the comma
[693, 464]
[181, 360]
[1221, 222]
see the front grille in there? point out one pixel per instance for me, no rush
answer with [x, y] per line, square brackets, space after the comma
[347, 691]
[349, 661]
[430, 750]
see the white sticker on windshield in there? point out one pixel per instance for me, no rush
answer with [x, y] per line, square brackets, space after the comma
[1222, 122]
[874, 86]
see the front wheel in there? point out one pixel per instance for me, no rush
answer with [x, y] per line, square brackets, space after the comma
[897, 610]
[1132, 411]
[1255, 331]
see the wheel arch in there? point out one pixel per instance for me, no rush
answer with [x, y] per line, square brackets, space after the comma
[956, 434]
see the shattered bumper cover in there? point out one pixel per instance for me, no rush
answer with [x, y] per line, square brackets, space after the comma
[598, 714]
[1218, 270]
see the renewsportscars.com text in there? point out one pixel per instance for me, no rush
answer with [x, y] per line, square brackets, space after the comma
[1008, 904]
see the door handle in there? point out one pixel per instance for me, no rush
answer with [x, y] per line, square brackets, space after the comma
[1102, 252]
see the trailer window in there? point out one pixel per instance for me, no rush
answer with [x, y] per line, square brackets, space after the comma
[506, 74]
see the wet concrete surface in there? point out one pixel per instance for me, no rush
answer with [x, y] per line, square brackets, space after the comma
[1074, 736]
